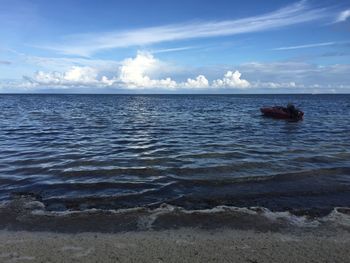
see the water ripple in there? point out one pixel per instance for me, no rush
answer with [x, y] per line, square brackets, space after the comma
[194, 151]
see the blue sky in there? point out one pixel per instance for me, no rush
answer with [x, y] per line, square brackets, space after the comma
[175, 46]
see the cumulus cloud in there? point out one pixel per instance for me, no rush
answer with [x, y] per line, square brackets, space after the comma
[81, 75]
[133, 73]
[343, 16]
[74, 76]
[231, 80]
[142, 72]
[200, 82]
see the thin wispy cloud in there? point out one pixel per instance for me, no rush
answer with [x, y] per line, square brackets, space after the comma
[87, 44]
[306, 46]
[343, 16]
[59, 62]
[167, 50]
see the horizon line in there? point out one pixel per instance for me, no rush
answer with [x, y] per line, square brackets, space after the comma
[143, 94]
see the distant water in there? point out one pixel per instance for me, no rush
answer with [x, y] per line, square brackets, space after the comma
[75, 152]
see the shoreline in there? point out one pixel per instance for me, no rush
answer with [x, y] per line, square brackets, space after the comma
[180, 245]
[29, 214]
[30, 233]
[26, 213]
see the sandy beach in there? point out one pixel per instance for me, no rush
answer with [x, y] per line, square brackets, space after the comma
[170, 234]
[182, 245]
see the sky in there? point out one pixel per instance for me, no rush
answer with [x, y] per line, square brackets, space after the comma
[183, 46]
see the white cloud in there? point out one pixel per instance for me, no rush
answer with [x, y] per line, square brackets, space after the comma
[107, 82]
[343, 16]
[297, 76]
[81, 75]
[200, 82]
[48, 78]
[231, 80]
[167, 50]
[276, 85]
[133, 73]
[74, 76]
[142, 73]
[87, 44]
[306, 46]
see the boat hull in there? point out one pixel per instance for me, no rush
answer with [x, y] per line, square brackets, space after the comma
[280, 113]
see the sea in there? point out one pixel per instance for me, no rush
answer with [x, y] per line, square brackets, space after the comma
[103, 154]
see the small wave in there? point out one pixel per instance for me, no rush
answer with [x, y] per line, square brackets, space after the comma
[26, 212]
[325, 172]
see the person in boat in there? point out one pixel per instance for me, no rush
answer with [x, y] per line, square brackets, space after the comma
[280, 112]
[293, 112]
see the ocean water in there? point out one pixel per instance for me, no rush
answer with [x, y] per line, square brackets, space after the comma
[78, 152]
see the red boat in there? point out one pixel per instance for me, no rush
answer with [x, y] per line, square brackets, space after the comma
[279, 112]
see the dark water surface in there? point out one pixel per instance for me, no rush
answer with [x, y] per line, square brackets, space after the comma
[194, 151]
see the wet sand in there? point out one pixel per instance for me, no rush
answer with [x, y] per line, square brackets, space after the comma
[30, 233]
[181, 245]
